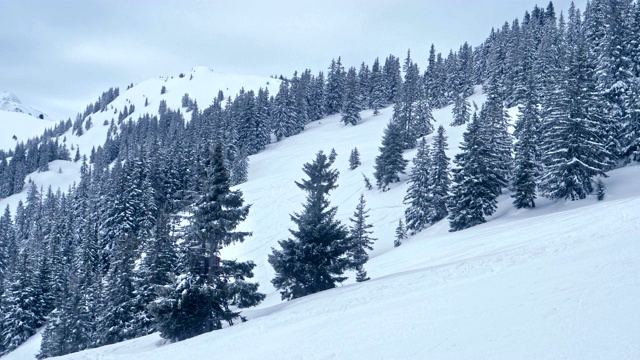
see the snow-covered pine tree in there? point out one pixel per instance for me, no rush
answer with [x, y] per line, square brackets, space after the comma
[336, 78]
[354, 159]
[351, 102]
[401, 234]
[202, 297]
[526, 168]
[283, 115]
[439, 182]
[390, 163]
[314, 259]
[476, 187]
[573, 145]
[461, 111]
[20, 305]
[361, 239]
[376, 80]
[418, 197]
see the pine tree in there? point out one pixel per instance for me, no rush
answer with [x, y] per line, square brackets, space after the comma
[401, 234]
[573, 146]
[390, 162]
[335, 93]
[439, 182]
[315, 258]
[377, 88]
[352, 102]
[354, 159]
[476, 183]
[527, 155]
[200, 299]
[417, 214]
[361, 239]
[461, 111]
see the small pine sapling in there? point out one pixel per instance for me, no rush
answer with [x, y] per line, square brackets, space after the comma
[354, 159]
[401, 234]
[367, 182]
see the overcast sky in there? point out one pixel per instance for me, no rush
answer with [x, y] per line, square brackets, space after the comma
[58, 56]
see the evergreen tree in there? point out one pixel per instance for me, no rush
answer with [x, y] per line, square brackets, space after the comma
[200, 299]
[354, 159]
[316, 257]
[461, 111]
[401, 234]
[336, 81]
[417, 214]
[376, 80]
[390, 162]
[476, 184]
[361, 239]
[573, 146]
[439, 182]
[352, 102]
[526, 164]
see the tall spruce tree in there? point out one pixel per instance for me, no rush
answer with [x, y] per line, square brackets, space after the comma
[315, 258]
[354, 159]
[573, 146]
[418, 197]
[476, 186]
[361, 239]
[351, 105]
[390, 163]
[440, 181]
[201, 298]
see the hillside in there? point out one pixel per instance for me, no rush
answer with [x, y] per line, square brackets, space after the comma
[201, 83]
[11, 103]
[556, 281]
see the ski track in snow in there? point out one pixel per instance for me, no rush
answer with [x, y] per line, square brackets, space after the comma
[555, 282]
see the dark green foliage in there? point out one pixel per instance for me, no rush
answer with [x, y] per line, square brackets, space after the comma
[315, 258]
[361, 239]
[418, 196]
[401, 234]
[200, 299]
[352, 101]
[354, 159]
[390, 163]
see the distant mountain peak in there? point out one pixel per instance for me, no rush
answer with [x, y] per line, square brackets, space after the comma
[10, 102]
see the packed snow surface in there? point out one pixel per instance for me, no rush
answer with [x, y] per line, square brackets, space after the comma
[561, 281]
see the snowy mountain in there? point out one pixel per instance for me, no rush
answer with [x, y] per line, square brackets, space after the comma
[557, 281]
[10, 102]
[201, 84]
[528, 252]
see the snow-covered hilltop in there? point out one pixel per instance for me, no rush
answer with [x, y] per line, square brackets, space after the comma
[10, 102]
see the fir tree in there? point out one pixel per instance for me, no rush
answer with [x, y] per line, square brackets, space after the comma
[418, 197]
[315, 258]
[439, 182]
[376, 80]
[200, 299]
[352, 102]
[354, 159]
[401, 234]
[526, 164]
[361, 239]
[461, 111]
[390, 163]
[476, 183]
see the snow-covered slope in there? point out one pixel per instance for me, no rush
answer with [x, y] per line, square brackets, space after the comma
[19, 127]
[201, 83]
[10, 102]
[561, 281]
